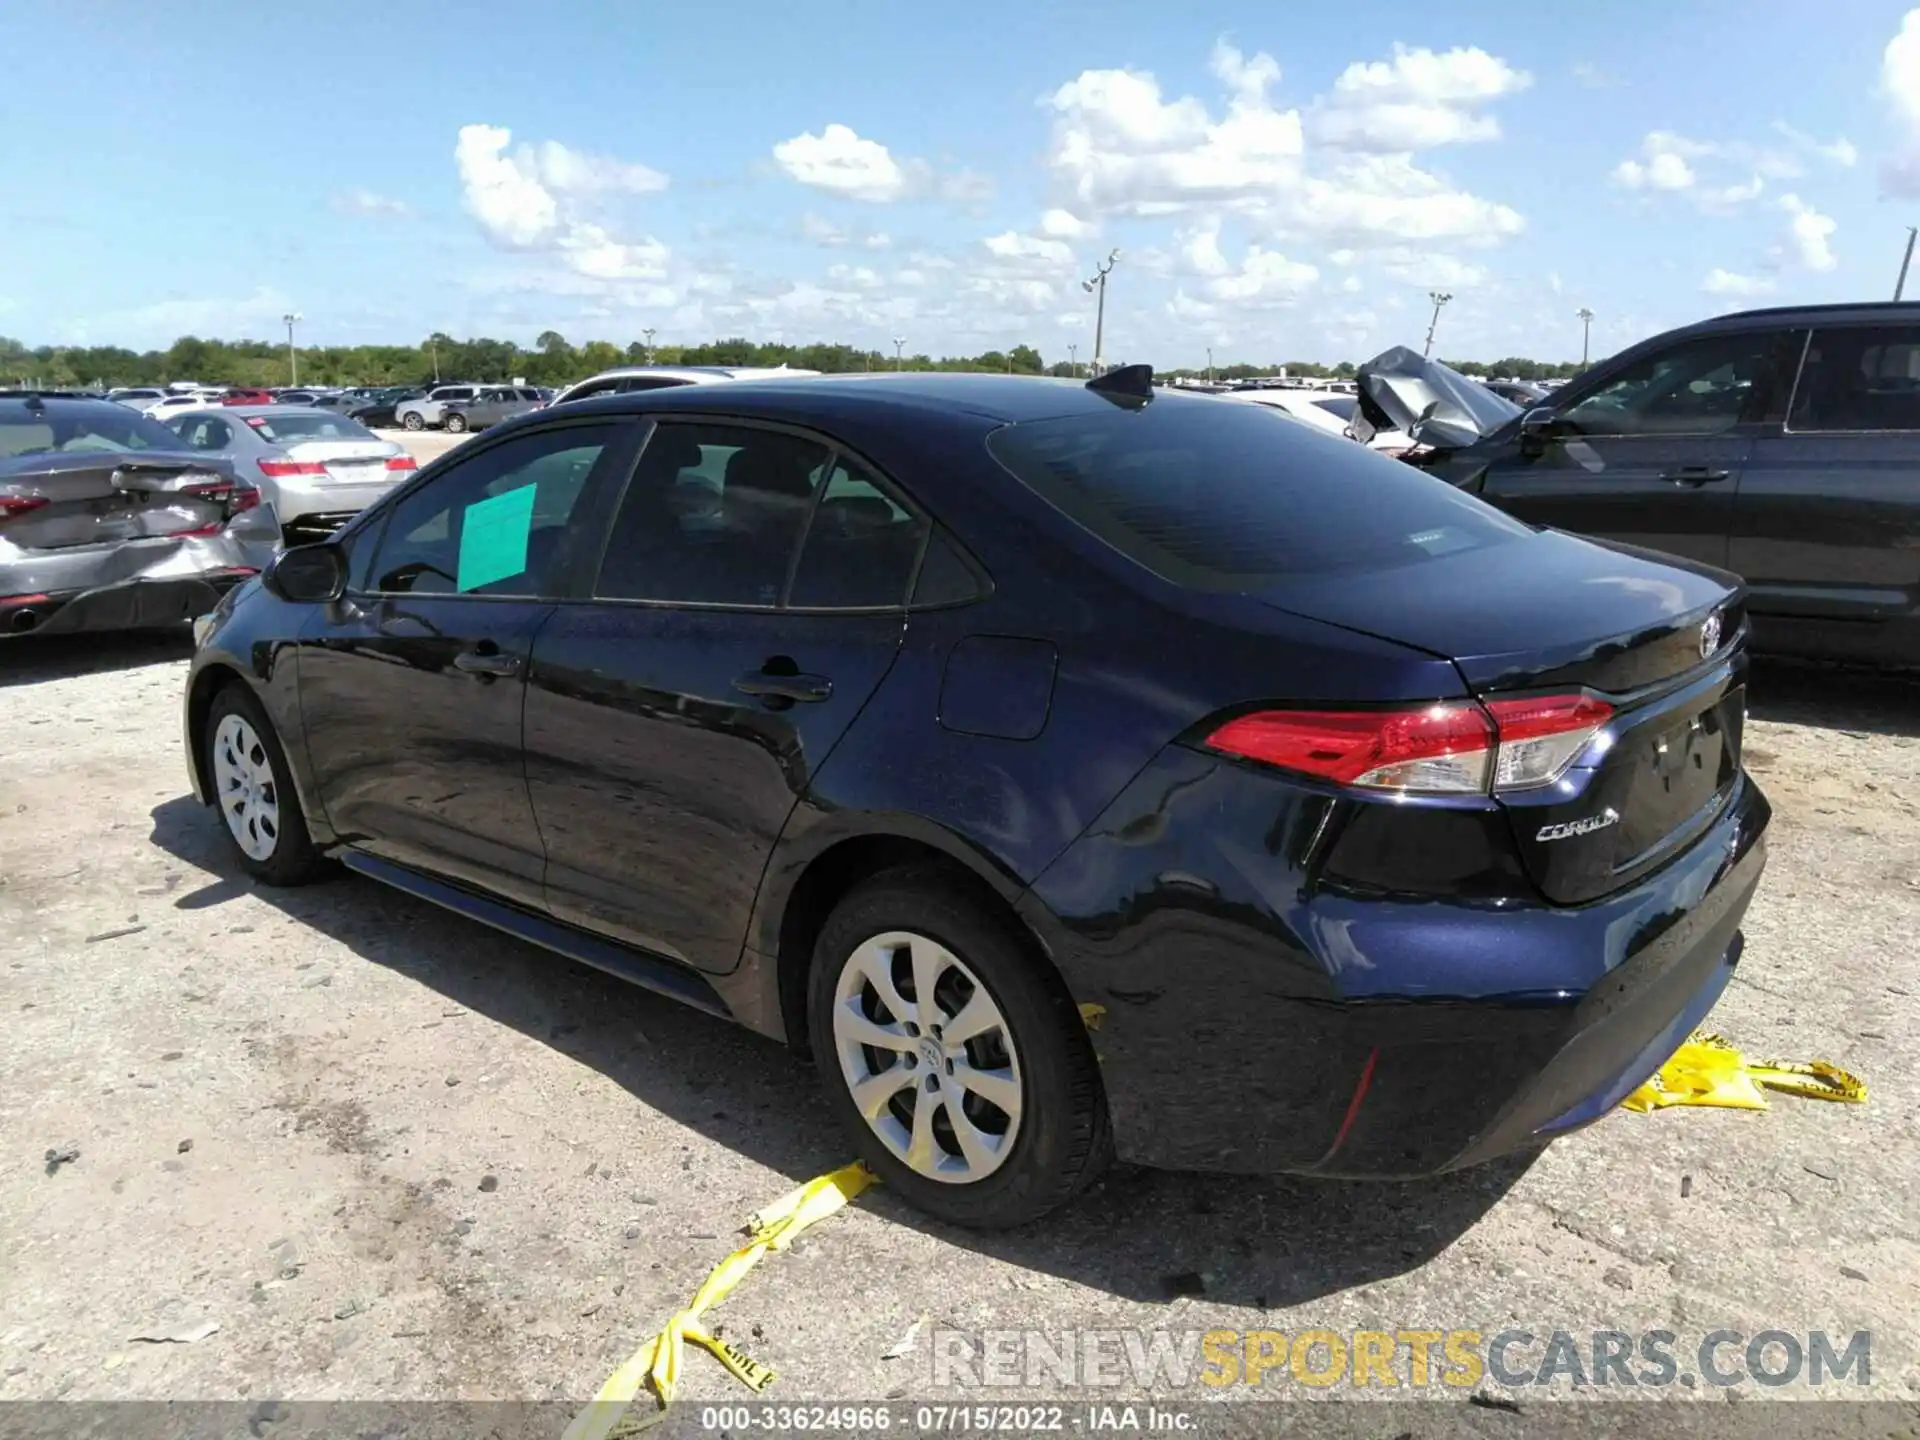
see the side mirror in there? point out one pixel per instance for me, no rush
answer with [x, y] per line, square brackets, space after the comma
[308, 574]
[1540, 423]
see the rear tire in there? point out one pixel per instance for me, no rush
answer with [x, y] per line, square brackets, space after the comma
[254, 793]
[413, 420]
[988, 1129]
[456, 423]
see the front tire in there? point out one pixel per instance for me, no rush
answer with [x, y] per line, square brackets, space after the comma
[254, 793]
[979, 1100]
[413, 420]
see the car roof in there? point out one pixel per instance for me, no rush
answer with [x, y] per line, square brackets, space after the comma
[1002, 399]
[1862, 312]
[695, 372]
[40, 401]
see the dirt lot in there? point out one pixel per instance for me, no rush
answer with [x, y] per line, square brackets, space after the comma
[395, 1155]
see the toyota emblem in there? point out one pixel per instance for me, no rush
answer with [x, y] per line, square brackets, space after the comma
[1710, 635]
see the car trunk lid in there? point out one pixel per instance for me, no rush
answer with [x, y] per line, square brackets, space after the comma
[1660, 642]
[352, 462]
[1435, 405]
[80, 498]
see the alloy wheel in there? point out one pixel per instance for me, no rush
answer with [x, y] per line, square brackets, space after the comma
[248, 795]
[928, 1057]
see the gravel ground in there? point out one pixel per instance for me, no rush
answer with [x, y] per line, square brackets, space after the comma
[394, 1155]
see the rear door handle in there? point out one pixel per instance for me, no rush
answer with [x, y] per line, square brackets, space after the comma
[486, 662]
[784, 687]
[1693, 475]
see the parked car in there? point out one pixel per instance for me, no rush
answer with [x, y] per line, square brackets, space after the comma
[492, 405]
[241, 395]
[136, 396]
[378, 409]
[912, 719]
[293, 397]
[171, 405]
[108, 523]
[317, 468]
[1782, 444]
[1332, 414]
[630, 378]
[427, 411]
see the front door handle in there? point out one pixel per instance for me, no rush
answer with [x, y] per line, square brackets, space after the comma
[769, 686]
[1693, 475]
[486, 661]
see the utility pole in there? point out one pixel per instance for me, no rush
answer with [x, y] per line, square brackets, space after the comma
[1900, 285]
[648, 332]
[1098, 286]
[1439, 298]
[292, 318]
[898, 341]
[1586, 331]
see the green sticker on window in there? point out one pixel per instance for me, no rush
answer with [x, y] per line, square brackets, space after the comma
[493, 538]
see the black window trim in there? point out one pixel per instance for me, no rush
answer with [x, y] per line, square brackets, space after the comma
[835, 449]
[625, 429]
[1793, 398]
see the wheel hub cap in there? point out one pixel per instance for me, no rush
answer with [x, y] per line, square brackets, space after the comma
[927, 1057]
[244, 786]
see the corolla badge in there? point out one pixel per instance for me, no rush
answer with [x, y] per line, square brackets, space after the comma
[1567, 829]
[1710, 635]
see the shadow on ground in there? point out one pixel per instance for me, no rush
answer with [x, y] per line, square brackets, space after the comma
[1878, 702]
[1142, 1235]
[31, 659]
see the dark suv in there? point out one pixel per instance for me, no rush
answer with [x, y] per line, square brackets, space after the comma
[1783, 444]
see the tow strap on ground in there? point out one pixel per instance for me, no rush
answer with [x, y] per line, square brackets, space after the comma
[1708, 1070]
[656, 1364]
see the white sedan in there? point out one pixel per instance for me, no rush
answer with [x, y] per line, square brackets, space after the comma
[1331, 413]
[171, 405]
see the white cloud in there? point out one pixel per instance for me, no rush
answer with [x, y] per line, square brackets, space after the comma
[1900, 85]
[1264, 276]
[366, 202]
[1727, 282]
[1664, 166]
[839, 161]
[1840, 151]
[1431, 270]
[1386, 198]
[530, 200]
[1672, 162]
[1118, 147]
[1810, 233]
[822, 231]
[1592, 77]
[1063, 225]
[1029, 249]
[1416, 100]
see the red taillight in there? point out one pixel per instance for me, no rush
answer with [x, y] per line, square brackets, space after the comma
[402, 462]
[245, 497]
[280, 469]
[1446, 748]
[1452, 748]
[12, 505]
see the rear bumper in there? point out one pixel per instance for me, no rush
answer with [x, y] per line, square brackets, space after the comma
[132, 585]
[1272, 1025]
[294, 502]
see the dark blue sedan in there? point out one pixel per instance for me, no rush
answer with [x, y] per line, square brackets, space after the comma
[926, 721]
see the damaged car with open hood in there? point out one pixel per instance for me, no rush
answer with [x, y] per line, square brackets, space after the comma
[108, 522]
[1782, 445]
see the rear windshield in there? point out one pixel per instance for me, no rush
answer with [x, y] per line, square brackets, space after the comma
[308, 427]
[63, 429]
[1227, 497]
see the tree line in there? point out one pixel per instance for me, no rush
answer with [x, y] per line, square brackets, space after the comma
[552, 360]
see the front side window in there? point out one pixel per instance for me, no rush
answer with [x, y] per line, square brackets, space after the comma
[495, 524]
[1859, 379]
[712, 516]
[1701, 387]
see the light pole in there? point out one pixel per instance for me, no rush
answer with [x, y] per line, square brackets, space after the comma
[1900, 285]
[898, 341]
[433, 345]
[1209, 364]
[1586, 330]
[1098, 286]
[648, 332]
[1073, 359]
[1439, 298]
[291, 319]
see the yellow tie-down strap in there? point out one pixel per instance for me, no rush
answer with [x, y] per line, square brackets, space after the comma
[656, 1364]
[1708, 1070]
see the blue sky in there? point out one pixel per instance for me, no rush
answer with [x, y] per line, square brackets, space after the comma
[1281, 181]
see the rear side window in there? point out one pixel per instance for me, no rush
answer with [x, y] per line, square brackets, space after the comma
[860, 549]
[293, 428]
[1859, 379]
[1228, 497]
